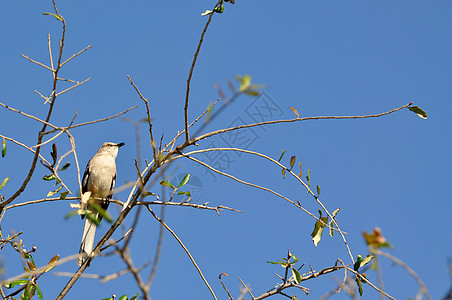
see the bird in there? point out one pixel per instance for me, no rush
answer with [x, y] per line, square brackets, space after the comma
[97, 187]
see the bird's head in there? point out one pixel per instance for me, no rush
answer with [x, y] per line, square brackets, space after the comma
[109, 147]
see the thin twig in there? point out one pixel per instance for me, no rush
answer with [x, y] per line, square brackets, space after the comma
[248, 290]
[192, 123]
[185, 249]
[76, 54]
[408, 269]
[113, 243]
[37, 62]
[224, 286]
[104, 119]
[74, 86]
[40, 201]
[25, 146]
[190, 74]
[46, 123]
[158, 250]
[50, 51]
[146, 102]
[361, 277]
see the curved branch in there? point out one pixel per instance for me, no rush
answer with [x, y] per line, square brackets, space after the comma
[206, 135]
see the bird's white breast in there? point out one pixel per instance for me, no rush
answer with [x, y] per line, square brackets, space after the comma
[102, 173]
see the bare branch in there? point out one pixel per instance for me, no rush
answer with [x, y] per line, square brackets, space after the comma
[146, 102]
[74, 86]
[46, 123]
[38, 63]
[246, 287]
[190, 74]
[76, 54]
[104, 119]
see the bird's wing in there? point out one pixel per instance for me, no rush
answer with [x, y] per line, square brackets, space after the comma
[85, 179]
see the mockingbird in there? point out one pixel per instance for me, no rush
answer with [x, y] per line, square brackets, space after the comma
[97, 187]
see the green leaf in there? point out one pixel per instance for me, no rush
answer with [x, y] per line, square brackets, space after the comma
[66, 165]
[38, 290]
[295, 259]
[366, 260]
[55, 15]
[166, 183]
[71, 214]
[63, 195]
[219, 9]
[49, 177]
[318, 229]
[4, 182]
[102, 212]
[52, 263]
[245, 82]
[28, 292]
[184, 181]
[292, 161]
[12, 284]
[145, 194]
[135, 297]
[184, 193]
[281, 156]
[92, 217]
[209, 111]
[418, 111]
[123, 297]
[51, 193]
[296, 275]
[331, 222]
[360, 286]
[31, 265]
[308, 178]
[250, 92]
[3, 148]
[318, 190]
[281, 263]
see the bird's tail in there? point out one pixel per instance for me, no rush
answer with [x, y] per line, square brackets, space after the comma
[86, 246]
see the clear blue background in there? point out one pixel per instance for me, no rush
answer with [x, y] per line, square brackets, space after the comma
[322, 57]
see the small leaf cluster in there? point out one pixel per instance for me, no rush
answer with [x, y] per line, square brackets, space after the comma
[95, 213]
[123, 297]
[28, 284]
[320, 225]
[175, 189]
[288, 264]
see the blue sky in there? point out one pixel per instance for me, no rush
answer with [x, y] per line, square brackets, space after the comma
[323, 58]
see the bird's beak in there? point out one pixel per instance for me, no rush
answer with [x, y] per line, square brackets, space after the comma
[120, 145]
